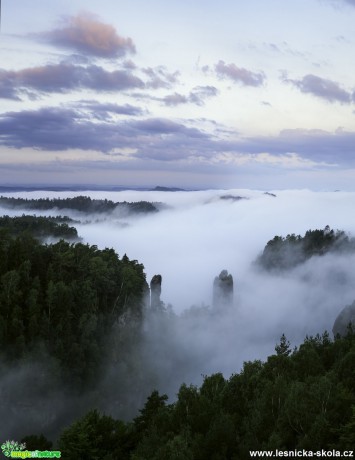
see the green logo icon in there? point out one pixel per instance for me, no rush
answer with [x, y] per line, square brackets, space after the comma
[15, 449]
[8, 446]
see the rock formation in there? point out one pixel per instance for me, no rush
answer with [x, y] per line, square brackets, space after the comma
[345, 317]
[155, 291]
[223, 290]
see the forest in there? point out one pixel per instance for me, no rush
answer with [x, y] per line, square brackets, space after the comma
[298, 399]
[39, 227]
[283, 253]
[62, 304]
[63, 299]
[79, 203]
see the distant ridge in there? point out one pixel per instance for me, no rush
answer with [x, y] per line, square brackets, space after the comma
[159, 188]
[68, 188]
[81, 188]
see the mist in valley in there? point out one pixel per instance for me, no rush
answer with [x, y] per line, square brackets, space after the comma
[194, 236]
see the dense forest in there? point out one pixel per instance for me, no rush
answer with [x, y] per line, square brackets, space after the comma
[83, 204]
[63, 299]
[40, 227]
[282, 253]
[74, 319]
[298, 399]
[68, 311]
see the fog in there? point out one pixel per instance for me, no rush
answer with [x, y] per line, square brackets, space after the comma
[198, 234]
[193, 237]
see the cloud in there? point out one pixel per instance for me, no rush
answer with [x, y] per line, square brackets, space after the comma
[160, 77]
[66, 77]
[165, 126]
[337, 4]
[328, 90]
[61, 129]
[93, 126]
[175, 99]
[7, 88]
[44, 129]
[347, 2]
[325, 148]
[197, 96]
[200, 93]
[239, 74]
[85, 34]
[104, 111]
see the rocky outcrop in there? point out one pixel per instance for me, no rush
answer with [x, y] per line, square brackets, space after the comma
[223, 290]
[345, 317]
[155, 291]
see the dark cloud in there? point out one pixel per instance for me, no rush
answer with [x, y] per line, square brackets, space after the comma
[65, 77]
[239, 74]
[59, 129]
[99, 78]
[166, 140]
[44, 129]
[323, 88]
[63, 129]
[85, 34]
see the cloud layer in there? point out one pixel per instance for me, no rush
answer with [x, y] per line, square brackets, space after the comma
[94, 126]
[65, 77]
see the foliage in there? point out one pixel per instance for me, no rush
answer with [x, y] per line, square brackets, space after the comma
[64, 298]
[78, 203]
[39, 227]
[95, 436]
[282, 253]
[34, 442]
[303, 399]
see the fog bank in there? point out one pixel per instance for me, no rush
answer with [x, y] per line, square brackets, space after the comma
[189, 241]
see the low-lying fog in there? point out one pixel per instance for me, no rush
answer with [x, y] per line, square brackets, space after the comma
[197, 235]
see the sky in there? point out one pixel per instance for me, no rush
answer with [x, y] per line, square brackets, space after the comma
[256, 94]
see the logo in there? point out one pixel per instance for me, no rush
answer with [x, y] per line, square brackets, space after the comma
[9, 446]
[14, 449]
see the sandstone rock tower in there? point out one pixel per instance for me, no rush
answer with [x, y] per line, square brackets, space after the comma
[223, 290]
[155, 291]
